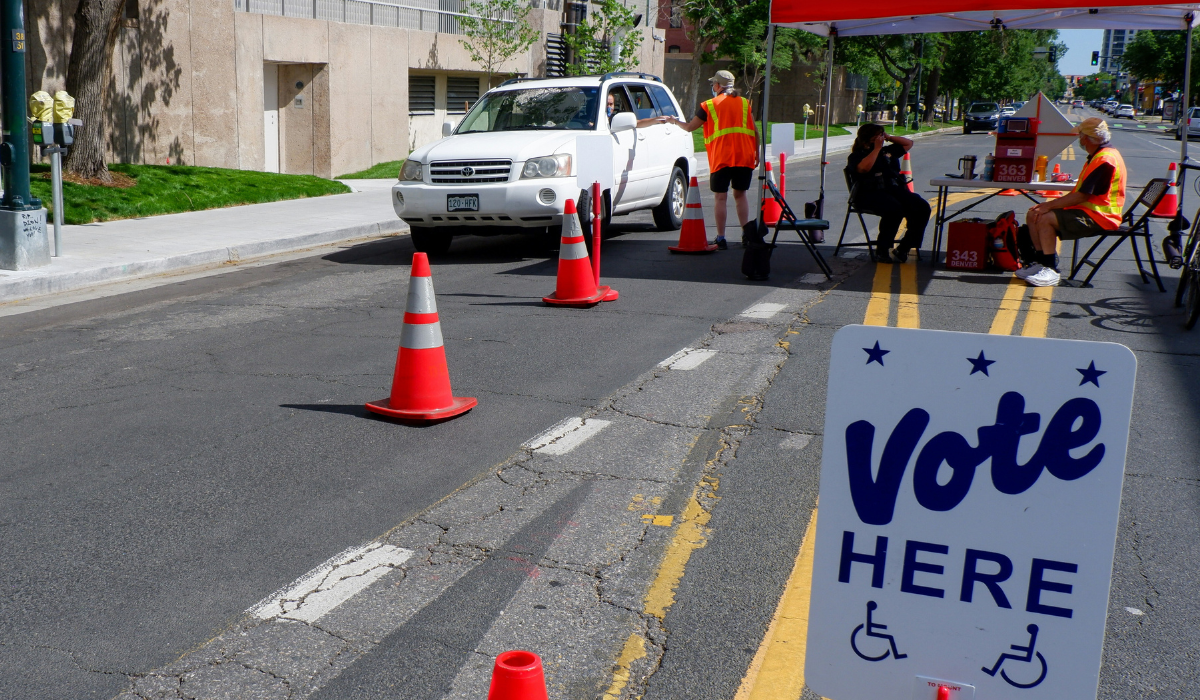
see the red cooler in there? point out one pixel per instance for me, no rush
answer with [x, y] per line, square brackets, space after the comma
[966, 244]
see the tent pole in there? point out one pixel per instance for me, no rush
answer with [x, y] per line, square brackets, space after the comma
[762, 119]
[1187, 91]
[828, 122]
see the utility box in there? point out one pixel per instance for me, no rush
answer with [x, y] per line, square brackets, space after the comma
[966, 244]
[1016, 142]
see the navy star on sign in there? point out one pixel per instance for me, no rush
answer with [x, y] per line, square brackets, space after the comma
[875, 354]
[1091, 374]
[980, 364]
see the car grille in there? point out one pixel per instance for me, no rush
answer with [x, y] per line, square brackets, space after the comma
[458, 172]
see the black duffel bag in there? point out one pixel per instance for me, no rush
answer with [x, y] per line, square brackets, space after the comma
[756, 260]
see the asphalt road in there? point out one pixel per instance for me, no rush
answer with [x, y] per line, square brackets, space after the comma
[180, 453]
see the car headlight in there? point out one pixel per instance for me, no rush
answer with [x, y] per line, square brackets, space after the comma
[412, 170]
[547, 166]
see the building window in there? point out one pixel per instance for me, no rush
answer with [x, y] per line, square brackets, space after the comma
[673, 48]
[421, 89]
[676, 17]
[461, 93]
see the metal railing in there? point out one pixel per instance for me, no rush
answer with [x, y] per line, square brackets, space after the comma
[424, 15]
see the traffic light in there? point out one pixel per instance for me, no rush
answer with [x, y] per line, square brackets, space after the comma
[1053, 54]
[1095, 58]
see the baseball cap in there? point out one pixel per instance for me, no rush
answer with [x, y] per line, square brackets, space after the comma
[1093, 127]
[722, 77]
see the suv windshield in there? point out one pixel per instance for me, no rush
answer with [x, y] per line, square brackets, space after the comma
[534, 109]
[983, 107]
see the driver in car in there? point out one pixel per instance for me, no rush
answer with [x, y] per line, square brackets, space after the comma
[612, 110]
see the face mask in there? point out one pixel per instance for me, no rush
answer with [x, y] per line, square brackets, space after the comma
[609, 111]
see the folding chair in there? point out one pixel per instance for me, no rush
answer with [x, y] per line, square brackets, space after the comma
[1133, 229]
[851, 208]
[789, 222]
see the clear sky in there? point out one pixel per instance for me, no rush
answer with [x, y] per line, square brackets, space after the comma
[1080, 45]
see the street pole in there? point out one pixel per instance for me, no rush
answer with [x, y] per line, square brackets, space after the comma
[1187, 97]
[920, 67]
[23, 242]
[56, 184]
[828, 122]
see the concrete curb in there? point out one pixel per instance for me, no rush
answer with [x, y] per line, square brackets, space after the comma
[41, 284]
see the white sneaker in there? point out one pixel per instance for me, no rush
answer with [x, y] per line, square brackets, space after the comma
[1025, 272]
[1045, 277]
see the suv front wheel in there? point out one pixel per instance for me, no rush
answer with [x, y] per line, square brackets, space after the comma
[668, 215]
[430, 240]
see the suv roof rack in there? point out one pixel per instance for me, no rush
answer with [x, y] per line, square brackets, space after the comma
[510, 81]
[628, 74]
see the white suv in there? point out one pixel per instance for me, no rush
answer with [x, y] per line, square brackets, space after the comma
[510, 164]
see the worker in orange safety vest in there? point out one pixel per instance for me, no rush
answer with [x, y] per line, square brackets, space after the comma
[1094, 208]
[730, 142]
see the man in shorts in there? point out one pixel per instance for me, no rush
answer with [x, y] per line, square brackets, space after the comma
[730, 142]
[1093, 208]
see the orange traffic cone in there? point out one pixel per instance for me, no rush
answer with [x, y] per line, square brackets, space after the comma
[771, 209]
[1052, 194]
[421, 384]
[576, 281]
[693, 236]
[905, 171]
[1169, 206]
[1008, 193]
[518, 675]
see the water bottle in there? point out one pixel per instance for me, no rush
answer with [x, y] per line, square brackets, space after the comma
[989, 164]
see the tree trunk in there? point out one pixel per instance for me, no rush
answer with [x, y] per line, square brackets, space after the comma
[88, 72]
[691, 97]
[931, 93]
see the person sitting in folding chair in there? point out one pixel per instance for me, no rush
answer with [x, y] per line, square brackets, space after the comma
[1093, 208]
[880, 189]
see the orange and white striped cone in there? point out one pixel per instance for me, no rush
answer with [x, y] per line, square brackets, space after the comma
[1052, 194]
[576, 285]
[906, 171]
[1008, 193]
[1169, 206]
[421, 383]
[771, 209]
[693, 236]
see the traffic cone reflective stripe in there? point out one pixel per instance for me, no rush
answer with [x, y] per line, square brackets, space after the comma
[905, 171]
[576, 285]
[693, 236]
[1169, 206]
[771, 209]
[421, 381]
[517, 675]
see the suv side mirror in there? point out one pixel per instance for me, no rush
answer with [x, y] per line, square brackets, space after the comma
[623, 121]
[447, 128]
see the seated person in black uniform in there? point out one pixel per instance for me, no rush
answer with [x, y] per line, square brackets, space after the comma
[874, 165]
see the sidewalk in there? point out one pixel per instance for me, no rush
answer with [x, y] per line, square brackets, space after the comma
[132, 248]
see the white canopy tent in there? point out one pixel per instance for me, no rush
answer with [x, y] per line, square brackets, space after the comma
[874, 18]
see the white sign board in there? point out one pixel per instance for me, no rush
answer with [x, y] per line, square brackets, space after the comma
[1054, 133]
[594, 160]
[783, 139]
[970, 490]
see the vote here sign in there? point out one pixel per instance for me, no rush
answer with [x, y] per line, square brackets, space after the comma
[970, 489]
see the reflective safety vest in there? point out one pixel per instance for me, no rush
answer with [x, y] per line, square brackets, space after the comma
[1105, 209]
[729, 133]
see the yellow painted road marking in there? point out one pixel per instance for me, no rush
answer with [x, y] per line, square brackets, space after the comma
[635, 648]
[1037, 319]
[1010, 305]
[777, 671]
[660, 520]
[1070, 153]
[907, 314]
[691, 535]
[880, 303]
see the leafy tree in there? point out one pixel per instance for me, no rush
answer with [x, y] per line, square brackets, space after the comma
[744, 40]
[1095, 86]
[89, 70]
[610, 21]
[496, 31]
[1159, 55]
[1001, 65]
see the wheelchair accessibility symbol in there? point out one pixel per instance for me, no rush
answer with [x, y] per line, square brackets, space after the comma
[1025, 657]
[873, 630]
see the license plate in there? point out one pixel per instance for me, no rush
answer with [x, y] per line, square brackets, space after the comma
[462, 202]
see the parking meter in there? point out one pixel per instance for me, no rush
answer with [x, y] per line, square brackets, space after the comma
[41, 113]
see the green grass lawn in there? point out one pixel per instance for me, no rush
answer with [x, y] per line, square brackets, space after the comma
[380, 171]
[170, 189]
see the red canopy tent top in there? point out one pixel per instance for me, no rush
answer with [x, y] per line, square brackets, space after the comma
[872, 17]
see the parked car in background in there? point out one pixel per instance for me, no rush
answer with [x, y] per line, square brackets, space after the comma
[981, 116]
[1124, 111]
[1192, 124]
[511, 162]
[1018, 105]
[1007, 111]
